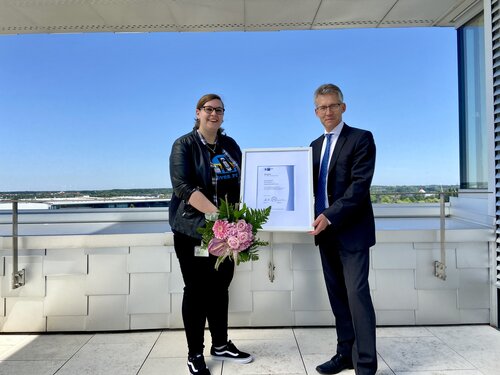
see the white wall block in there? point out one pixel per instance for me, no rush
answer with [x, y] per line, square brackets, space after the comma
[473, 255]
[65, 262]
[176, 315]
[2, 306]
[437, 307]
[240, 293]
[425, 278]
[314, 318]
[149, 321]
[176, 280]
[107, 250]
[239, 319]
[474, 291]
[475, 316]
[149, 293]
[306, 257]
[65, 296]
[395, 290]
[272, 309]
[309, 292]
[66, 323]
[394, 256]
[24, 315]
[107, 313]
[149, 259]
[372, 279]
[34, 280]
[395, 317]
[282, 271]
[107, 274]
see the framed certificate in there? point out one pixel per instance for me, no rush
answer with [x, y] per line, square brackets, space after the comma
[280, 178]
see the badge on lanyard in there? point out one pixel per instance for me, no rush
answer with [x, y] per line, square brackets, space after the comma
[199, 252]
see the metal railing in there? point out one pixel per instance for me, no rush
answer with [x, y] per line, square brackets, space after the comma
[18, 276]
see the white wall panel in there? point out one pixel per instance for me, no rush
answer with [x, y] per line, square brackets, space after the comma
[395, 290]
[24, 315]
[425, 278]
[65, 262]
[272, 309]
[35, 282]
[65, 296]
[149, 293]
[437, 306]
[107, 313]
[107, 274]
[149, 259]
[66, 323]
[309, 292]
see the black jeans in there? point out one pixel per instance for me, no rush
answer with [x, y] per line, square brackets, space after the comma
[206, 295]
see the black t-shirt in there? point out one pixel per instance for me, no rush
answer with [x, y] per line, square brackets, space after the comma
[225, 173]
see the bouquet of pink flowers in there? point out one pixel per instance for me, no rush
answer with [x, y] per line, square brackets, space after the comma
[231, 233]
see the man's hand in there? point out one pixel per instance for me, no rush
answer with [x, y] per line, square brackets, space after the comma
[319, 225]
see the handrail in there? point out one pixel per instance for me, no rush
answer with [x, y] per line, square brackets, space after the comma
[440, 266]
[18, 276]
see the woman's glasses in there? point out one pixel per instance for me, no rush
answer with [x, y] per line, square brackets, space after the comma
[209, 110]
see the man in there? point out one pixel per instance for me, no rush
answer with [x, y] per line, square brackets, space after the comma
[344, 229]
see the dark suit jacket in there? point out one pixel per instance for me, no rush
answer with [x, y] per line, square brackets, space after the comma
[349, 178]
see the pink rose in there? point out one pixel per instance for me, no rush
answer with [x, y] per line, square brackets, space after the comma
[245, 239]
[233, 242]
[231, 230]
[241, 225]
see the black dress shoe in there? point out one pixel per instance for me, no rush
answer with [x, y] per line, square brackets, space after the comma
[338, 363]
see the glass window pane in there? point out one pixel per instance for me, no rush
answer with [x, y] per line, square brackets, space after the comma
[473, 136]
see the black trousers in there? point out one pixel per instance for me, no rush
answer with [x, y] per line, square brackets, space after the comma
[206, 295]
[346, 276]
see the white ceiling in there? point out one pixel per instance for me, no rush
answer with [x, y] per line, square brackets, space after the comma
[76, 16]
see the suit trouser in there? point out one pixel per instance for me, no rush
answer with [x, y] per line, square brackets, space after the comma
[346, 277]
[206, 295]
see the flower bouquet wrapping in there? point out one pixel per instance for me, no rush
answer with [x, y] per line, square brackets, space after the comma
[231, 232]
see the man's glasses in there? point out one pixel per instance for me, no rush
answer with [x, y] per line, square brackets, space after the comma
[331, 107]
[209, 110]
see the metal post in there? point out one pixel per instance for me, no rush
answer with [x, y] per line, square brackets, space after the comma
[17, 276]
[440, 266]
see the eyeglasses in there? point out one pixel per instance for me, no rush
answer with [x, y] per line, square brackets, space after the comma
[209, 110]
[331, 107]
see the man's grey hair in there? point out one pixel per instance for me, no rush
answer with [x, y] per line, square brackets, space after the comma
[327, 89]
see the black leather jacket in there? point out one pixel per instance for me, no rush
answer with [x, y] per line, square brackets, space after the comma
[190, 171]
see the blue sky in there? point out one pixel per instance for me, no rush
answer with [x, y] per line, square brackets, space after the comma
[101, 111]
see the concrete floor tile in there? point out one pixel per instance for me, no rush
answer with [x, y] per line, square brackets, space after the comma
[97, 359]
[174, 366]
[47, 347]
[29, 367]
[317, 341]
[403, 332]
[444, 372]
[419, 354]
[270, 357]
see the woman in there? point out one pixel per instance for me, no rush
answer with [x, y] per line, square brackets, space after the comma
[204, 168]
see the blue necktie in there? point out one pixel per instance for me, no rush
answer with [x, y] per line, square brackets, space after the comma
[320, 203]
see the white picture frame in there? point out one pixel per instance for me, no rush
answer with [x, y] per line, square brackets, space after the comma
[281, 178]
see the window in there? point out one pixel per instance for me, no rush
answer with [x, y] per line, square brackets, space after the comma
[473, 137]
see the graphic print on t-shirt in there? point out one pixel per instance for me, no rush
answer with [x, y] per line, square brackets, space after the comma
[224, 168]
